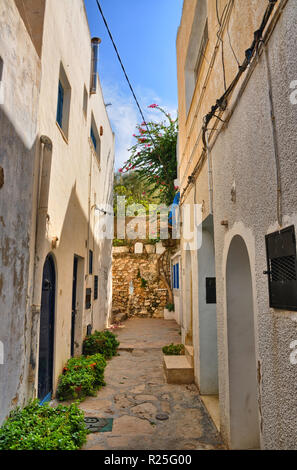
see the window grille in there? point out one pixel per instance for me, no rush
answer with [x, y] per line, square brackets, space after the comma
[96, 279]
[211, 294]
[282, 269]
[90, 262]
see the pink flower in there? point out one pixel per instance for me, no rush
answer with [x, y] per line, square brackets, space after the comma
[176, 188]
[121, 170]
[153, 106]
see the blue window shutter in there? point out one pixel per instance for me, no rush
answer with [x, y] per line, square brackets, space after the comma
[177, 276]
[94, 140]
[60, 104]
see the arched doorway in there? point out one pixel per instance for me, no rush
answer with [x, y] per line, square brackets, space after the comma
[46, 337]
[243, 396]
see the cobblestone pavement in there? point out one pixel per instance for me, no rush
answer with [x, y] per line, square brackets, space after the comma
[136, 392]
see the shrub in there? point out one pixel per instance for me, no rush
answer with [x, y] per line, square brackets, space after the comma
[44, 428]
[103, 342]
[82, 376]
[170, 307]
[143, 283]
[174, 350]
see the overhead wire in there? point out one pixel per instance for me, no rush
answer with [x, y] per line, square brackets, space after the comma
[221, 39]
[221, 103]
[129, 83]
[125, 73]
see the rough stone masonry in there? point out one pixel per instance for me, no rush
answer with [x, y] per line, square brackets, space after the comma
[138, 290]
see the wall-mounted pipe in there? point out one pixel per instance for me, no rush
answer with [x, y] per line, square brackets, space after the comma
[95, 49]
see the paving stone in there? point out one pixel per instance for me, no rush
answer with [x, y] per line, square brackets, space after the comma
[95, 406]
[131, 425]
[122, 401]
[145, 411]
[165, 407]
[165, 396]
[145, 398]
[138, 389]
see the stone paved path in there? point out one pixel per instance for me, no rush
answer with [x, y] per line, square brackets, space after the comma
[136, 392]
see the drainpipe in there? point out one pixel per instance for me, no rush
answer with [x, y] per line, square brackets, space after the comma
[40, 247]
[210, 175]
[89, 225]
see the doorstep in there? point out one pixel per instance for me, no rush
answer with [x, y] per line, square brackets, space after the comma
[212, 404]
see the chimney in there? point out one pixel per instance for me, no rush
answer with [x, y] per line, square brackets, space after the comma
[95, 47]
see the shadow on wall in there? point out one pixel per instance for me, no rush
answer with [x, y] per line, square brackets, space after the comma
[17, 237]
[74, 242]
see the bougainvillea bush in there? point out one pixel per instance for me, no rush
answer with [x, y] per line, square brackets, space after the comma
[44, 428]
[103, 342]
[82, 376]
[153, 157]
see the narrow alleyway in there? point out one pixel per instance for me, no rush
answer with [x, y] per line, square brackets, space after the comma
[136, 392]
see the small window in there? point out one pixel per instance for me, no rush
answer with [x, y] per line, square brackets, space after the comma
[211, 294]
[85, 102]
[88, 298]
[95, 139]
[90, 262]
[282, 269]
[89, 330]
[60, 105]
[96, 279]
[63, 104]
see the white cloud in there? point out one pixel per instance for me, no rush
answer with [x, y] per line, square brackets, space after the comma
[124, 115]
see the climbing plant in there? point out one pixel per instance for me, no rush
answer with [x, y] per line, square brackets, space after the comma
[153, 157]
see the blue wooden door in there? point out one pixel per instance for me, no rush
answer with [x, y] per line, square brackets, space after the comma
[47, 324]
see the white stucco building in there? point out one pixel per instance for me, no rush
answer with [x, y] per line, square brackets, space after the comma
[57, 155]
[239, 287]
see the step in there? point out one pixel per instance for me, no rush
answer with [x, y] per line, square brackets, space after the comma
[190, 354]
[178, 370]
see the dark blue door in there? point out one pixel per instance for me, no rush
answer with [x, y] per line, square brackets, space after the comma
[73, 313]
[46, 338]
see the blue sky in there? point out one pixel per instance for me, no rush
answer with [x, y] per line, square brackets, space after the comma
[145, 33]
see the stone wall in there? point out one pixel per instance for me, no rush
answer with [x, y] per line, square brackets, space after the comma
[129, 297]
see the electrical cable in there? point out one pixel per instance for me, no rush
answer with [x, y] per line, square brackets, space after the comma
[222, 41]
[125, 73]
[221, 103]
[230, 43]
